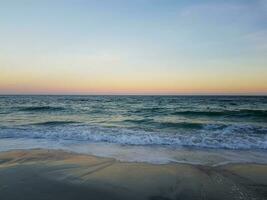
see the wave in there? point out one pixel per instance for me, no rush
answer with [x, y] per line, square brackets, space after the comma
[41, 108]
[55, 123]
[137, 121]
[210, 136]
[149, 110]
[185, 125]
[4, 113]
[237, 113]
[189, 125]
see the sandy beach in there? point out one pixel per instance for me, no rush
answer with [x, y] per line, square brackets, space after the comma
[52, 174]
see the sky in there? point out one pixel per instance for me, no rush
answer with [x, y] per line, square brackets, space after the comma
[133, 47]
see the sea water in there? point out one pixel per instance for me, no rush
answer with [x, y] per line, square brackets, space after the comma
[139, 128]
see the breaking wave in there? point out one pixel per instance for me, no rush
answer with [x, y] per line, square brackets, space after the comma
[209, 136]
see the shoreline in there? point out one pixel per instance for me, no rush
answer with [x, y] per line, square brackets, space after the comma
[142, 154]
[73, 174]
[73, 153]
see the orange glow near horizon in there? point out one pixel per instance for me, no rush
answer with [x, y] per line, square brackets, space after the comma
[61, 85]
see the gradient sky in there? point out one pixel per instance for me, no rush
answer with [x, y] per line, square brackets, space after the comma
[133, 47]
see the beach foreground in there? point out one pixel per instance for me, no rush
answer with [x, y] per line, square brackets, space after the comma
[51, 174]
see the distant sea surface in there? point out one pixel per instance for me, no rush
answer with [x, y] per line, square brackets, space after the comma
[214, 122]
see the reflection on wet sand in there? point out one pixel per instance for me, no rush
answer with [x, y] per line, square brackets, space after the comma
[49, 174]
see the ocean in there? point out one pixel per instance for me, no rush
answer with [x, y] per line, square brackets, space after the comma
[129, 124]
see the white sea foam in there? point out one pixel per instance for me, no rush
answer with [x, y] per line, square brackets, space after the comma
[147, 154]
[210, 136]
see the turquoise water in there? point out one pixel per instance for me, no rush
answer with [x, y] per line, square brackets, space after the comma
[218, 122]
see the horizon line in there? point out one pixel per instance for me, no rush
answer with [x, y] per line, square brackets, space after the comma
[135, 94]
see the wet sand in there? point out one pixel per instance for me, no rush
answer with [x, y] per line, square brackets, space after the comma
[54, 175]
